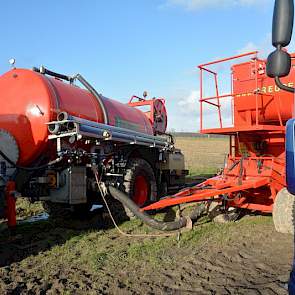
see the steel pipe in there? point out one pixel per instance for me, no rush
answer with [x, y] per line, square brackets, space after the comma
[106, 132]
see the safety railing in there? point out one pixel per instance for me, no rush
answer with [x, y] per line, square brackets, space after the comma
[215, 100]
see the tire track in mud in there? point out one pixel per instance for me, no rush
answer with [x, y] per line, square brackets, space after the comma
[251, 260]
[260, 266]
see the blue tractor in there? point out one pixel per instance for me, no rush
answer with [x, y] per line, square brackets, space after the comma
[278, 66]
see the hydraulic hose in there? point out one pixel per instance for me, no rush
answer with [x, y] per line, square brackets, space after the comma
[156, 224]
[43, 70]
[29, 168]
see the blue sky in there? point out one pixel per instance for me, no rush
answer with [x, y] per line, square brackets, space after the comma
[124, 47]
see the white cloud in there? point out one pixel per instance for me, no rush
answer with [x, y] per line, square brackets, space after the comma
[200, 4]
[250, 46]
[291, 47]
[183, 113]
[263, 46]
[190, 103]
[186, 115]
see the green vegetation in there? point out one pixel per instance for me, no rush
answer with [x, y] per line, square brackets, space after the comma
[203, 172]
[203, 156]
[96, 250]
[25, 208]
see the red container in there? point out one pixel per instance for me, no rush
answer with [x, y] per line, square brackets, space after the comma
[251, 85]
[29, 100]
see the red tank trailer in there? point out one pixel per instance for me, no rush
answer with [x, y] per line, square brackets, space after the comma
[34, 99]
[52, 132]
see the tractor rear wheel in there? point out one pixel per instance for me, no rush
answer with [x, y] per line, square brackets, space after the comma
[283, 213]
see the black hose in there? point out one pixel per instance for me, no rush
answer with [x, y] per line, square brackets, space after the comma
[156, 224]
[43, 70]
[198, 211]
[284, 87]
[233, 165]
[28, 168]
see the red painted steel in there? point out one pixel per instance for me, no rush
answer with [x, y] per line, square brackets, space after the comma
[256, 99]
[29, 100]
[156, 112]
[255, 168]
[10, 210]
[141, 190]
[228, 59]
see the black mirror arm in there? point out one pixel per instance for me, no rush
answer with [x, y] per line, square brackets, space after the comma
[284, 87]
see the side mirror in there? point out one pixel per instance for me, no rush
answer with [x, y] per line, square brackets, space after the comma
[278, 64]
[282, 24]
[279, 61]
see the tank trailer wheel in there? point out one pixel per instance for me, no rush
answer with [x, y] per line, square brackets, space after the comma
[139, 183]
[283, 212]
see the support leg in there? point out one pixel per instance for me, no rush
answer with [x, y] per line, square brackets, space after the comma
[10, 210]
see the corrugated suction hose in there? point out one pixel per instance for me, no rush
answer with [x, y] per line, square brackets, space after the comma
[156, 224]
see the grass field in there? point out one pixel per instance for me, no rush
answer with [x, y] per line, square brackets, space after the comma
[203, 155]
[47, 258]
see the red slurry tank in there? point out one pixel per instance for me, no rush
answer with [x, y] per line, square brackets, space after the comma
[29, 100]
[251, 85]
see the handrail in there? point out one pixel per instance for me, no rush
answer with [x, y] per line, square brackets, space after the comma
[225, 95]
[227, 59]
[204, 67]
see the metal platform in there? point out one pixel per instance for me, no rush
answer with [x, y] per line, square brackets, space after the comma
[251, 128]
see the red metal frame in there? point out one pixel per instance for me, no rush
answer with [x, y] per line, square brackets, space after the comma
[255, 168]
[10, 210]
[143, 102]
[258, 79]
[208, 100]
[136, 101]
[229, 184]
[141, 190]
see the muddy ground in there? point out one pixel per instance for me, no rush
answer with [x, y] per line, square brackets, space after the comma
[246, 257]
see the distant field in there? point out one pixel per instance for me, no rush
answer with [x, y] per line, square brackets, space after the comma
[203, 155]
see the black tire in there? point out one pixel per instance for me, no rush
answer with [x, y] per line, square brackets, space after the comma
[139, 167]
[283, 213]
